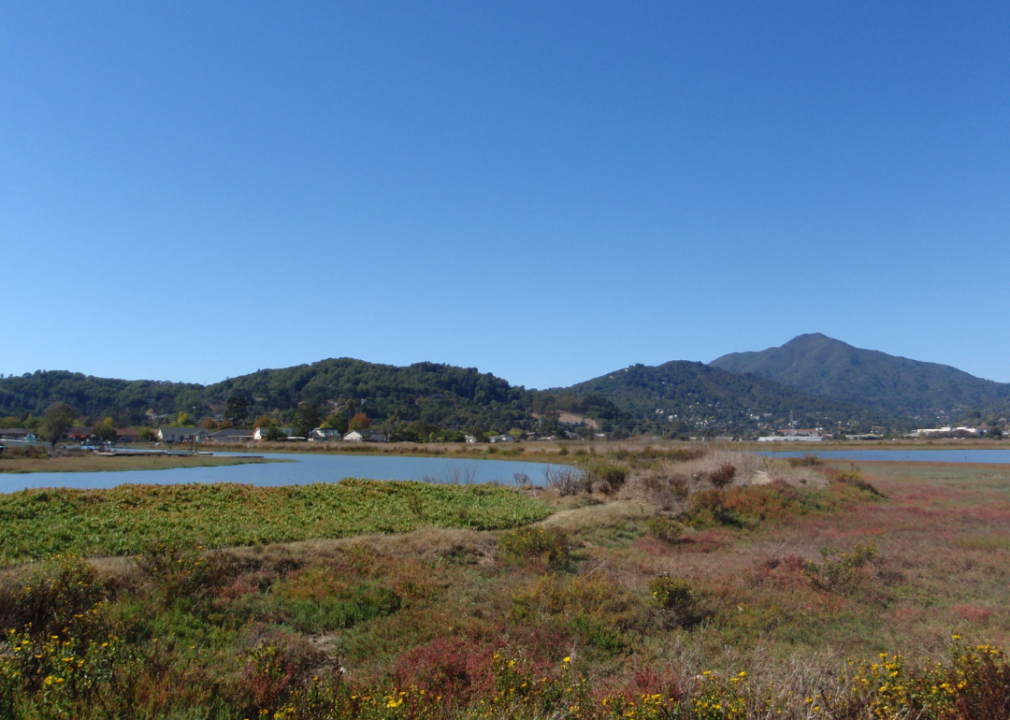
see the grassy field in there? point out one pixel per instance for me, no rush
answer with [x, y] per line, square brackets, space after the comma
[88, 462]
[690, 591]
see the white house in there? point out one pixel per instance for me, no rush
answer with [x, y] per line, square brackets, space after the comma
[182, 434]
[364, 436]
[325, 435]
[232, 435]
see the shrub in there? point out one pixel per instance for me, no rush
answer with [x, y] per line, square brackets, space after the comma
[183, 574]
[805, 461]
[567, 480]
[664, 529]
[675, 597]
[47, 599]
[840, 570]
[722, 476]
[854, 478]
[608, 478]
[526, 544]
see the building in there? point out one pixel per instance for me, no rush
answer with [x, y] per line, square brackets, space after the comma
[17, 436]
[127, 435]
[260, 433]
[232, 435]
[170, 435]
[951, 432]
[364, 436]
[79, 434]
[325, 435]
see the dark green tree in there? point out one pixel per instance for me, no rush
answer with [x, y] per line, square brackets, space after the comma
[59, 418]
[238, 410]
[307, 418]
[336, 421]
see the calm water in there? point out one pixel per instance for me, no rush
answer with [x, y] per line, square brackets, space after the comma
[302, 470]
[947, 456]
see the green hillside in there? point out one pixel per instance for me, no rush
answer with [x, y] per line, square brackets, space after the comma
[907, 388]
[441, 395]
[704, 399]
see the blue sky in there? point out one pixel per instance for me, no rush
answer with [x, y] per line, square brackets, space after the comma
[545, 191]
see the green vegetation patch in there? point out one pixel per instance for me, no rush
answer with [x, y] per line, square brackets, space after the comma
[36, 524]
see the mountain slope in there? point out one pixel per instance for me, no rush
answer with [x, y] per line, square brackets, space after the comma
[823, 366]
[691, 397]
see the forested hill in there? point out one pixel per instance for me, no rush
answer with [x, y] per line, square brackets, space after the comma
[701, 398]
[32, 393]
[443, 395]
[907, 388]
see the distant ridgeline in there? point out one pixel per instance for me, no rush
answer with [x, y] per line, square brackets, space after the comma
[442, 395]
[817, 381]
[907, 389]
[690, 398]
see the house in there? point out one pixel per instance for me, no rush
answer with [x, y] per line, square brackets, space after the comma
[501, 439]
[171, 435]
[232, 435]
[325, 435]
[364, 436]
[79, 434]
[17, 437]
[261, 432]
[128, 435]
[470, 438]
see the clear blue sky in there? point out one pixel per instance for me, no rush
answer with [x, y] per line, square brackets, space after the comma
[546, 191]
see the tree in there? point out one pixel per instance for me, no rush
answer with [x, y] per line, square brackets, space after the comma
[336, 421]
[263, 421]
[58, 419]
[147, 435]
[104, 430]
[307, 418]
[238, 409]
[359, 422]
[183, 420]
[274, 434]
[209, 424]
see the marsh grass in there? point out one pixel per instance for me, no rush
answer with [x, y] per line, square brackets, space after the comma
[788, 617]
[35, 524]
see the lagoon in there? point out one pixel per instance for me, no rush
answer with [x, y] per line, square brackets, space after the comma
[295, 469]
[952, 455]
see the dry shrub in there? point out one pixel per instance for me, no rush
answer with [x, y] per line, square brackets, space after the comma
[723, 475]
[805, 461]
[278, 664]
[48, 598]
[718, 468]
[666, 491]
[455, 669]
[853, 477]
[534, 544]
[607, 479]
[184, 574]
[567, 480]
[664, 529]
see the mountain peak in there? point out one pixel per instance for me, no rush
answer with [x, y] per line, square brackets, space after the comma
[831, 368]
